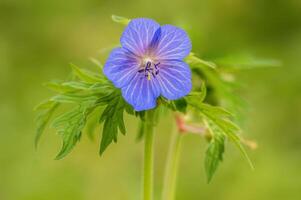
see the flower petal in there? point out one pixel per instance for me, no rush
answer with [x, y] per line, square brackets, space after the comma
[174, 79]
[120, 67]
[138, 35]
[141, 93]
[174, 43]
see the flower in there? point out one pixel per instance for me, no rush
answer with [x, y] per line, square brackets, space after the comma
[150, 63]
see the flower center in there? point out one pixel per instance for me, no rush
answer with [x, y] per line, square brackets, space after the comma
[149, 68]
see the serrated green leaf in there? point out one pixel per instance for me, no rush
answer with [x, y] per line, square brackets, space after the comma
[218, 117]
[87, 90]
[237, 142]
[121, 125]
[44, 105]
[215, 151]
[97, 63]
[56, 87]
[193, 60]
[221, 90]
[141, 129]
[67, 87]
[120, 20]
[76, 85]
[69, 126]
[87, 76]
[93, 123]
[112, 117]
[197, 97]
[180, 105]
[140, 114]
[246, 61]
[203, 91]
[74, 98]
[168, 103]
[129, 109]
[215, 110]
[46, 111]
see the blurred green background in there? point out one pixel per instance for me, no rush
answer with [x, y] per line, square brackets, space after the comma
[39, 38]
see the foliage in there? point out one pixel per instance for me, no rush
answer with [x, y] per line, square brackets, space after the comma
[86, 92]
[219, 91]
[215, 150]
[215, 104]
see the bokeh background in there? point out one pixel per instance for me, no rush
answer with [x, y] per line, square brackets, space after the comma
[39, 38]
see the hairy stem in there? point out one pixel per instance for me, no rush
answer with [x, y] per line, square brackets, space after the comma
[148, 158]
[171, 169]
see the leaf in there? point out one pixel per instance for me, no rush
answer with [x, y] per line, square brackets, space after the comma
[129, 109]
[230, 130]
[69, 126]
[222, 92]
[56, 87]
[193, 60]
[219, 117]
[222, 87]
[112, 117]
[86, 76]
[44, 105]
[97, 63]
[120, 20]
[46, 111]
[238, 144]
[67, 87]
[141, 115]
[215, 151]
[87, 90]
[198, 96]
[141, 130]
[180, 105]
[246, 61]
[194, 98]
[203, 91]
[76, 85]
[168, 103]
[92, 123]
[74, 98]
[215, 110]
[121, 125]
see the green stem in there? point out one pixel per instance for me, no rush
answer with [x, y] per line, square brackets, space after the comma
[148, 158]
[172, 164]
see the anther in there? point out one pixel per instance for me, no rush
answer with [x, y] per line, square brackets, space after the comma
[150, 69]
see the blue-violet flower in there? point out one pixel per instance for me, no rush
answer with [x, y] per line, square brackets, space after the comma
[150, 63]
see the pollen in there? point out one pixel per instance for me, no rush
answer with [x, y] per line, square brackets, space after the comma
[148, 76]
[149, 68]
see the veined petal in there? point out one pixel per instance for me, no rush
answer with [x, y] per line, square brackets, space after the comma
[138, 35]
[174, 79]
[141, 93]
[174, 43]
[120, 67]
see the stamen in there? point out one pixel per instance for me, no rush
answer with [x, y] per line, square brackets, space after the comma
[148, 64]
[150, 69]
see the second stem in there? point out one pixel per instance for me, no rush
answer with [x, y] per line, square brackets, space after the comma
[148, 158]
[170, 179]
